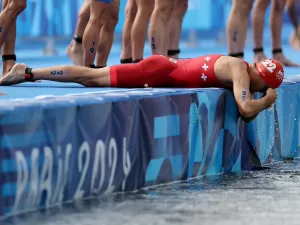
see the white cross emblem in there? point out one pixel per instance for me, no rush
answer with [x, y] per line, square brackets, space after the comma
[205, 67]
[145, 85]
[203, 77]
[207, 58]
[173, 60]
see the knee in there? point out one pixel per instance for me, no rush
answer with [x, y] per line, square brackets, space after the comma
[263, 4]
[163, 10]
[278, 5]
[17, 5]
[98, 12]
[130, 12]
[111, 22]
[180, 8]
[83, 15]
[243, 8]
[145, 9]
[114, 19]
[96, 22]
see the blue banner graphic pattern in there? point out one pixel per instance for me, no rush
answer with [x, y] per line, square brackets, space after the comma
[76, 147]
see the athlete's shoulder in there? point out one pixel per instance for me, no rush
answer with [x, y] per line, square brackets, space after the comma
[237, 62]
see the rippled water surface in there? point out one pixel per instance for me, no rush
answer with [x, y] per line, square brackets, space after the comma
[258, 197]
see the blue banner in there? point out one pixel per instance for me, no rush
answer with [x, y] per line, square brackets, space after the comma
[76, 147]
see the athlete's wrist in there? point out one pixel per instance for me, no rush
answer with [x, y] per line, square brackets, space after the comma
[257, 105]
[249, 119]
[268, 101]
[28, 74]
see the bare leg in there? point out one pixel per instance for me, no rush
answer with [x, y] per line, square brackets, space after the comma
[107, 33]
[295, 37]
[8, 17]
[175, 26]
[131, 10]
[139, 28]
[291, 8]
[8, 47]
[276, 22]
[258, 28]
[237, 26]
[75, 51]
[276, 18]
[92, 31]
[77, 74]
[159, 23]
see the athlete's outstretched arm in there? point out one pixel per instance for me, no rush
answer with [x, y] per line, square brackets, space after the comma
[82, 75]
[248, 107]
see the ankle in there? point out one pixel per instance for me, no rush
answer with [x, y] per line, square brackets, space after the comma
[239, 55]
[258, 51]
[125, 60]
[277, 52]
[77, 40]
[7, 66]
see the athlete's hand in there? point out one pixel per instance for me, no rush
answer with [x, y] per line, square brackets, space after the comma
[270, 98]
[248, 119]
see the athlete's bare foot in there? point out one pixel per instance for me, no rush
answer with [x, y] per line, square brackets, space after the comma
[295, 39]
[15, 76]
[258, 57]
[284, 61]
[75, 53]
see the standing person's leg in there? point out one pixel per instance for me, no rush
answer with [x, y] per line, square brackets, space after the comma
[159, 23]
[294, 17]
[175, 27]
[107, 33]
[9, 16]
[276, 22]
[75, 51]
[258, 24]
[8, 47]
[139, 28]
[130, 14]
[237, 26]
[92, 30]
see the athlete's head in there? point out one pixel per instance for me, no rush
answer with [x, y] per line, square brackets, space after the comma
[270, 74]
